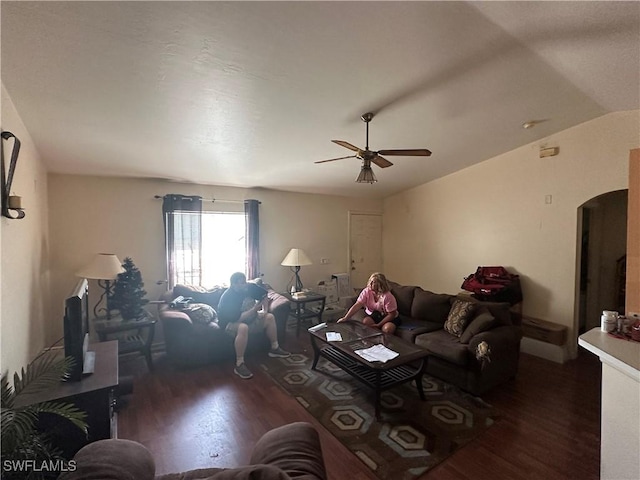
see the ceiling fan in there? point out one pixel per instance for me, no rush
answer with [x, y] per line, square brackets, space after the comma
[370, 156]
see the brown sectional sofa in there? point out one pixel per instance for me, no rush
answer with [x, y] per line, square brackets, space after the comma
[485, 355]
[189, 343]
[286, 452]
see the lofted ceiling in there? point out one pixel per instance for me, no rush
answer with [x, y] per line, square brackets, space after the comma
[250, 93]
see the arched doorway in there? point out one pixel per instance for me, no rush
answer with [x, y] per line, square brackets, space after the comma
[602, 246]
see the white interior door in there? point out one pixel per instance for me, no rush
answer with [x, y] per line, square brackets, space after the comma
[365, 247]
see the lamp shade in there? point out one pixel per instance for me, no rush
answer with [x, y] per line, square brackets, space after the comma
[296, 258]
[366, 175]
[104, 266]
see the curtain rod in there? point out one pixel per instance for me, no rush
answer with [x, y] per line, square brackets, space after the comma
[212, 200]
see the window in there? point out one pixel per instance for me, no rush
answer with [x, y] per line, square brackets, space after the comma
[223, 249]
[204, 247]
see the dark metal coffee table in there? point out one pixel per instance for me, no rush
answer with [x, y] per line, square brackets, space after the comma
[407, 366]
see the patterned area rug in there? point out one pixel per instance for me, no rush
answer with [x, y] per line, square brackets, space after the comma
[412, 435]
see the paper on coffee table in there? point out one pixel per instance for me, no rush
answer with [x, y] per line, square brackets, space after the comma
[334, 337]
[377, 353]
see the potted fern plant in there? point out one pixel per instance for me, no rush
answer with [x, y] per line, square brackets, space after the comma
[27, 452]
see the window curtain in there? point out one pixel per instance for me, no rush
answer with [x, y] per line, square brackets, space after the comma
[183, 238]
[252, 238]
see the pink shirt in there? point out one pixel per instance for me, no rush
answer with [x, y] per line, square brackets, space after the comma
[386, 302]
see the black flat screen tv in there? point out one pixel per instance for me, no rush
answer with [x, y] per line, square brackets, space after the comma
[76, 327]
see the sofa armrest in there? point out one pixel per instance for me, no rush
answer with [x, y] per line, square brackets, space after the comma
[175, 320]
[278, 302]
[502, 335]
[500, 340]
[112, 459]
[294, 448]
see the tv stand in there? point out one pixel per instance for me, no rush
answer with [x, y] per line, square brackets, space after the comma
[94, 394]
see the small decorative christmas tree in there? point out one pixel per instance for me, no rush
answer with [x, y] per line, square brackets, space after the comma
[128, 294]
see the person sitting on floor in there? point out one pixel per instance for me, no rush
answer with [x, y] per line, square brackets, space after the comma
[379, 303]
[240, 322]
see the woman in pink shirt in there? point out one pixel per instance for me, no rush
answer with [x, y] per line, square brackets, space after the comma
[379, 304]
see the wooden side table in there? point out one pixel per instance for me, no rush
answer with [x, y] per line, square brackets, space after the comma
[132, 335]
[303, 310]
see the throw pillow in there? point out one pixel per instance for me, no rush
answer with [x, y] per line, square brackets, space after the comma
[482, 322]
[458, 317]
[200, 294]
[256, 291]
[201, 313]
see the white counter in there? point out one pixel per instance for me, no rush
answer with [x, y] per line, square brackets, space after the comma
[620, 418]
[622, 355]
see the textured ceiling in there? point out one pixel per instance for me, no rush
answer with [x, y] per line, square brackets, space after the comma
[251, 93]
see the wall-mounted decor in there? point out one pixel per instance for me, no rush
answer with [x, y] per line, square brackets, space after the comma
[10, 203]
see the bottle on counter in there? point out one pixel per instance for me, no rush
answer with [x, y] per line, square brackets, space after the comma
[609, 321]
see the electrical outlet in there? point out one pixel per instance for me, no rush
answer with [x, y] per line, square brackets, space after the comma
[324, 261]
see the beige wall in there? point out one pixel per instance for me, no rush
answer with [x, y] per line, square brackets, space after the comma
[116, 215]
[494, 213]
[24, 268]
[434, 235]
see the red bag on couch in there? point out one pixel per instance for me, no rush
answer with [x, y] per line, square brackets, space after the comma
[494, 284]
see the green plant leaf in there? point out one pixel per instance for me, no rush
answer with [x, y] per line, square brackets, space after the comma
[17, 425]
[19, 435]
[7, 393]
[43, 373]
[64, 410]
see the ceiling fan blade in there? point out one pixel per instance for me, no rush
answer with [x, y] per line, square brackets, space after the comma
[344, 144]
[332, 159]
[411, 152]
[381, 161]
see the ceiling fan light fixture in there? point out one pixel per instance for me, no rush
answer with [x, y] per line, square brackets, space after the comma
[366, 175]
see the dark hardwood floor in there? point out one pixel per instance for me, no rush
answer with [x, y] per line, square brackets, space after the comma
[549, 424]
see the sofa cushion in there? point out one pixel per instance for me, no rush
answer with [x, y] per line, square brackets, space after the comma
[255, 290]
[404, 297]
[444, 345]
[482, 322]
[409, 328]
[459, 315]
[249, 472]
[305, 461]
[112, 459]
[429, 306]
[200, 294]
[201, 313]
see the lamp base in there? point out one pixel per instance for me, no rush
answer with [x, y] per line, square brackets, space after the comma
[298, 285]
[106, 295]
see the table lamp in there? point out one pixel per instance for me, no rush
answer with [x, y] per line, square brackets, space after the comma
[104, 267]
[295, 259]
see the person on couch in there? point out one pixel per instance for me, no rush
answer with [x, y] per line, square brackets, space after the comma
[379, 304]
[239, 321]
